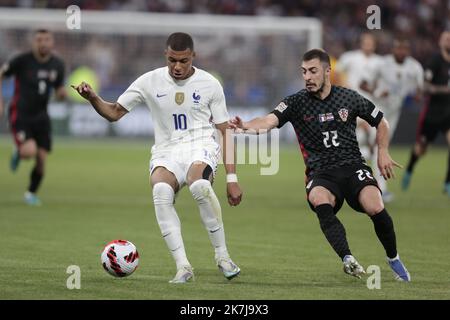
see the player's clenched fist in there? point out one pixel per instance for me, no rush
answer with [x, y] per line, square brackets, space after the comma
[85, 90]
[234, 194]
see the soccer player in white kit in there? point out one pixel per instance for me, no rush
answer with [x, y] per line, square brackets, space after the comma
[397, 76]
[355, 66]
[186, 103]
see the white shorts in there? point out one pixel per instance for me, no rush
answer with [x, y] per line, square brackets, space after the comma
[178, 158]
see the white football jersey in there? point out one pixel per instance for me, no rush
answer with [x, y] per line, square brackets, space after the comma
[357, 67]
[399, 80]
[182, 110]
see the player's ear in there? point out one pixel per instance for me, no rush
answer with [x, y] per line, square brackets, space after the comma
[193, 54]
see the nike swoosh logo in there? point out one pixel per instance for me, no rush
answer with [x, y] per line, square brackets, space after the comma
[212, 231]
[160, 95]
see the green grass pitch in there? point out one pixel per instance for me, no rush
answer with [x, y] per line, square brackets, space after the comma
[96, 191]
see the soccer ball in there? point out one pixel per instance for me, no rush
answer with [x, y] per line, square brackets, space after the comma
[120, 258]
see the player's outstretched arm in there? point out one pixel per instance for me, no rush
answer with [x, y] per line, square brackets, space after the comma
[256, 125]
[108, 110]
[385, 162]
[234, 192]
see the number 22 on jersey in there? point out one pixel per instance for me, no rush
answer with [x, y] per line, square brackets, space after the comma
[330, 139]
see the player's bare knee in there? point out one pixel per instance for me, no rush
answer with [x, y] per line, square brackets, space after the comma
[374, 207]
[28, 150]
[162, 175]
[320, 195]
[371, 201]
[198, 171]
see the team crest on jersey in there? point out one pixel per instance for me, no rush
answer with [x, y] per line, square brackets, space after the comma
[343, 113]
[179, 98]
[196, 97]
[324, 117]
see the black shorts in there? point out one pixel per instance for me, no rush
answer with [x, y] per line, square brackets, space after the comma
[429, 127]
[344, 183]
[37, 129]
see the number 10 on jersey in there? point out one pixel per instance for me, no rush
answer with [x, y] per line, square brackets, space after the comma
[180, 121]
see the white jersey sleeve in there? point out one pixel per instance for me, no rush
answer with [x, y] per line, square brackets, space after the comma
[134, 95]
[218, 106]
[344, 62]
[419, 75]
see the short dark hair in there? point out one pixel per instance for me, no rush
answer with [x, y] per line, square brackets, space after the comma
[317, 54]
[401, 40]
[41, 30]
[180, 41]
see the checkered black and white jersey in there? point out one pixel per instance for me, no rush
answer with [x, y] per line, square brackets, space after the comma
[326, 128]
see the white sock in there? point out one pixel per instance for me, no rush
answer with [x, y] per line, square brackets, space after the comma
[211, 215]
[169, 223]
[395, 258]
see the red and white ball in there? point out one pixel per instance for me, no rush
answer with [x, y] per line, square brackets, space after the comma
[120, 258]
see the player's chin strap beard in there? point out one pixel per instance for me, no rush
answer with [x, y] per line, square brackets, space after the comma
[320, 90]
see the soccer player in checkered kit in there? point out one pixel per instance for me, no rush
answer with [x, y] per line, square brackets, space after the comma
[324, 119]
[37, 75]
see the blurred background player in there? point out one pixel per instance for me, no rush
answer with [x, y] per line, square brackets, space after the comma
[398, 75]
[435, 117]
[182, 100]
[335, 168]
[36, 73]
[354, 66]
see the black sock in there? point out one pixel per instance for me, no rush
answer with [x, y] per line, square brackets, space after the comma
[35, 180]
[384, 228]
[412, 162]
[447, 179]
[333, 229]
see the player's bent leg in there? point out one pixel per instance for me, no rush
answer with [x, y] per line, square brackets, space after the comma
[28, 149]
[323, 202]
[370, 200]
[15, 160]
[25, 150]
[36, 176]
[211, 215]
[169, 223]
[419, 149]
[320, 195]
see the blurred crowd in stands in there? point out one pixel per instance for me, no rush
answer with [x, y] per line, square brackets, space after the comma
[343, 22]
